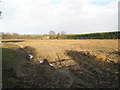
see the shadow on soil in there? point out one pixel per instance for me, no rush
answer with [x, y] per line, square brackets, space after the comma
[86, 72]
[8, 68]
[94, 72]
[12, 55]
[13, 41]
[30, 50]
[115, 52]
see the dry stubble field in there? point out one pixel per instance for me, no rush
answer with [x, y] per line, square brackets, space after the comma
[87, 63]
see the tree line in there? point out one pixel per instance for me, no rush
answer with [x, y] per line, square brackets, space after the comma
[105, 35]
[32, 36]
[24, 36]
[51, 35]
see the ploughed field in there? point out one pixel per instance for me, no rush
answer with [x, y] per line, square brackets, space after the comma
[67, 63]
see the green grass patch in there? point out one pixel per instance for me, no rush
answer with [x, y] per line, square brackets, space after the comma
[8, 55]
[9, 82]
[8, 67]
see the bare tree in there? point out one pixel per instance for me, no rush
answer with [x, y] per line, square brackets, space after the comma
[0, 13]
[52, 33]
[63, 33]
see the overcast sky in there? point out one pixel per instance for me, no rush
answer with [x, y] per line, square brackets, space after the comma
[71, 16]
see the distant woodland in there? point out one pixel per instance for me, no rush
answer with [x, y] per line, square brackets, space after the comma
[105, 35]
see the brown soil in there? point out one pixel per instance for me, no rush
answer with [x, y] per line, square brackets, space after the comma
[77, 64]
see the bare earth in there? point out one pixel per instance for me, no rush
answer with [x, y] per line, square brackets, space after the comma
[76, 63]
[104, 49]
